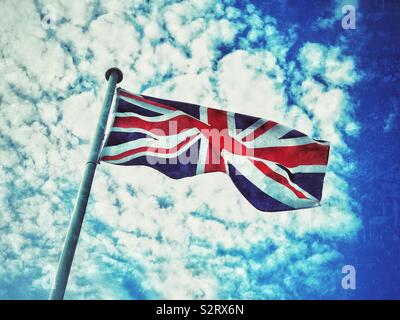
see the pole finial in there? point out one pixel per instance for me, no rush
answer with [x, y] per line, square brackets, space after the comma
[119, 74]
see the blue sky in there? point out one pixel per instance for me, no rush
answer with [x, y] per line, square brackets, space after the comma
[146, 236]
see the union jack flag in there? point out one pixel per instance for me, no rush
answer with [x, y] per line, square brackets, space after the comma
[275, 167]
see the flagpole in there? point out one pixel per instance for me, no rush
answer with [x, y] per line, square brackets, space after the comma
[113, 76]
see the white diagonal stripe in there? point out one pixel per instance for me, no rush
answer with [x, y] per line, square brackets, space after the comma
[251, 128]
[273, 166]
[165, 142]
[160, 118]
[150, 153]
[266, 184]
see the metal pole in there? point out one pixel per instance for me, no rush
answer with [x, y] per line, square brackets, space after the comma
[113, 76]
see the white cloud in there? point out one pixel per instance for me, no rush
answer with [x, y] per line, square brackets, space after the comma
[252, 83]
[334, 14]
[390, 120]
[329, 63]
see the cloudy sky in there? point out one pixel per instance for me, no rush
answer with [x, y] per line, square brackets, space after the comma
[148, 237]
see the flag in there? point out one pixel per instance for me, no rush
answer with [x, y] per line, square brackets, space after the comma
[276, 168]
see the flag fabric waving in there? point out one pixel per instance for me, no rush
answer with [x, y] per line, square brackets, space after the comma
[275, 167]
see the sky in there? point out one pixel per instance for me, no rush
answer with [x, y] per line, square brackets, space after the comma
[146, 236]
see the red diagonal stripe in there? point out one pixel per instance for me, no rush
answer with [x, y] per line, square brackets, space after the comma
[139, 98]
[277, 177]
